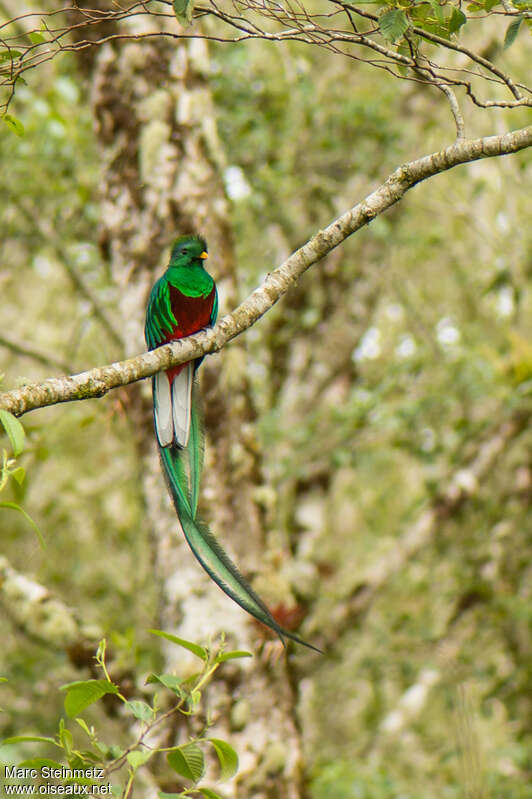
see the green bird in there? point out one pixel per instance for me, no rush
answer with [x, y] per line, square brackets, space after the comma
[182, 302]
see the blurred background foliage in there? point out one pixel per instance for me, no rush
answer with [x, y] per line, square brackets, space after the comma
[377, 378]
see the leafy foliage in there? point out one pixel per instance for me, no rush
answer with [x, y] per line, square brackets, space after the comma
[186, 760]
[393, 24]
[14, 430]
[9, 470]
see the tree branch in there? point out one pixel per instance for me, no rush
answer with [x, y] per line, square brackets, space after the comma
[45, 620]
[40, 615]
[98, 381]
[455, 109]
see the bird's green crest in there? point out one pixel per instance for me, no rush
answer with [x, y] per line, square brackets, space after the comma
[188, 246]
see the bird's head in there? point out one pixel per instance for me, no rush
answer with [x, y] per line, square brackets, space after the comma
[187, 250]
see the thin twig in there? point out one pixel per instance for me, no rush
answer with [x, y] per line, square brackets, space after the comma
[447, 44]
[293, 23]
[448, 92]
[455, 110]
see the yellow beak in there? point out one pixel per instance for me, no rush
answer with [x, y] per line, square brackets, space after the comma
[204, 255]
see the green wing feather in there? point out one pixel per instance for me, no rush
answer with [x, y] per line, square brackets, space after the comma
[159, 317]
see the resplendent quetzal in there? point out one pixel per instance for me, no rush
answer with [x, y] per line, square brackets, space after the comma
[182, 302]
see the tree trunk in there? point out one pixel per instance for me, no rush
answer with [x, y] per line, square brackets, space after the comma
[162, 174]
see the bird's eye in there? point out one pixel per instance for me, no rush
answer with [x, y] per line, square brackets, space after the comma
[185, 251]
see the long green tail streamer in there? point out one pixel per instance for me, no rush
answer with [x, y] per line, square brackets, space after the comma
[182, 468]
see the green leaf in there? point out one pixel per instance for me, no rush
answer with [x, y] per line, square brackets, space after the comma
[223, 656]
[438, 11]
[112, 752]
[196, 649]
[83, 693]
[141, 710]
[83, 724]
[18, 474]
[208, 793]
[393, 24]
[100, 652]
[91, 757]
[17, 127]
[9, 55]
[28, 738]
[183, 11]
[14, 506]
[12, 426]
[458, 18]
[168, 680]
[137, 759]
[65, 738]
[227, 757]
[163, 795]
[512, 31]
[188, 761]
[36, 38]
